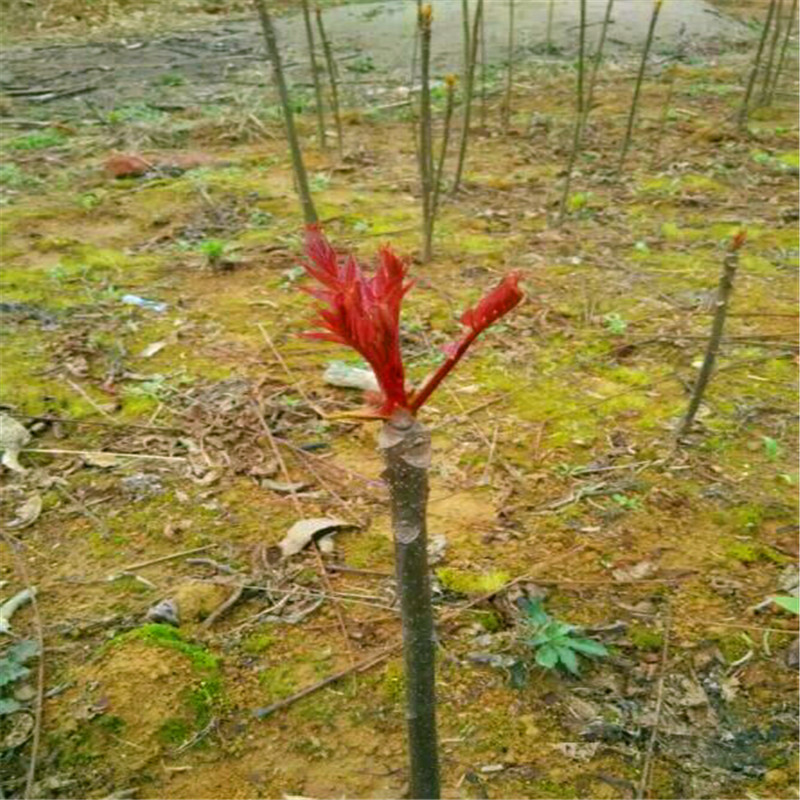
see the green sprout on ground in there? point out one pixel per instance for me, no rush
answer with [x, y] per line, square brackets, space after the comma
[556, 643]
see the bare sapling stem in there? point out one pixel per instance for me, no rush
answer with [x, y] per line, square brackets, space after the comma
[468, 91]
[424, 20]
[639, 78]
[751, 81]
[465, 42]
[406, 446]
[717, 326]
[483, 71]
[579, 111]
[672, 79]
[300, 177]
[509, 69]
[450, 82]
[784, 47]
[598, 57]
[314, 75]
[773, 46]
[333, 78]
[550, 9]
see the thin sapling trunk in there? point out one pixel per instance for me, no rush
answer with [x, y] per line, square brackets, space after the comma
[776, 34]
[483, 71]
[672, 73]
[598, 57]
[784, 47]
[639, 78]
[510, 70]
[314, 75]
[300, 177]
[579, 110]
[450, 82]
[406, 445]
[465, 42]
[717, 326]
[425, 135]
[332, 77]
[468, 91]
[751, 81]
[550, 8]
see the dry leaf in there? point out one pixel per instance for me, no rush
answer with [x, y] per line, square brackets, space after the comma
[101, 460]
[27, 513]
[152, 349]
[634, 572]
[283, 488]
[303, 531]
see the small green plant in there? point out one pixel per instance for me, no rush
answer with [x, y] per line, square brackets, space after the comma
[615, 324]
[37, 141]
[628, 503]
[214, 250]
[171, 79]
[12, 669]
[556, 643]
[319, 182]
[361, 65]
[771, 447]
[788, 603]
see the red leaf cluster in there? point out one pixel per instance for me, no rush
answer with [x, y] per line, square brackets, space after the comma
[364, 313]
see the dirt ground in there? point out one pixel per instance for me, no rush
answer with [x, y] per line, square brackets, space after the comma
[175, 441]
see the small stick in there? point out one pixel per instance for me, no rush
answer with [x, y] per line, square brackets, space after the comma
[229, 602]
[88, 399]
[314, 75]
[294, 383]
[332, 78]
[39, 628]
[101, 453]
[437, 183]
[120, 425]
[662, 125]
[639, 78]
[648, 760]
[90, 515]
[723, 296]
[751, 81]
[170, 557]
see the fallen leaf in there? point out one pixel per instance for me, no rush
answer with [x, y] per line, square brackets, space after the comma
[152, 349]
[27, 513]
[101, 460]
[634, 572]
[578, 751]
[303, 531]
[123, 165]
[283, 488]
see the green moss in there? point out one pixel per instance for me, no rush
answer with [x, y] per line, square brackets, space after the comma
[278, 682]
[463, 582]
[645, 638]
[258, 643]
[160, 635]
[366, 550]
[393, 683]
[490, 621]
[174, 732]
[733, 647]
[750, 552]
[205, 699]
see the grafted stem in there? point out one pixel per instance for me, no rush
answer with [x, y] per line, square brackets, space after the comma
[406, 446]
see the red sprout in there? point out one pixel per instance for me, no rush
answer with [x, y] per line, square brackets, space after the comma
[364, 313]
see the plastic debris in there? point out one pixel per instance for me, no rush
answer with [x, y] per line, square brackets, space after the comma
[12, 605]
[165, 611]
[13, 437]
[340, 374]
[141, 302]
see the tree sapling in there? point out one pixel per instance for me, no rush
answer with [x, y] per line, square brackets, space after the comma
[363, 313]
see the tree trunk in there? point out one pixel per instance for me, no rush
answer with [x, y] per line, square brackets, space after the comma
[314, 76]
[332, 77]
[425, 133]
[301, 179]
[406, 446]
[751, 81]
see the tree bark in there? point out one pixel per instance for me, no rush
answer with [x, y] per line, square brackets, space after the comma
[406, 446]
[301, 179]
[723, 296]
